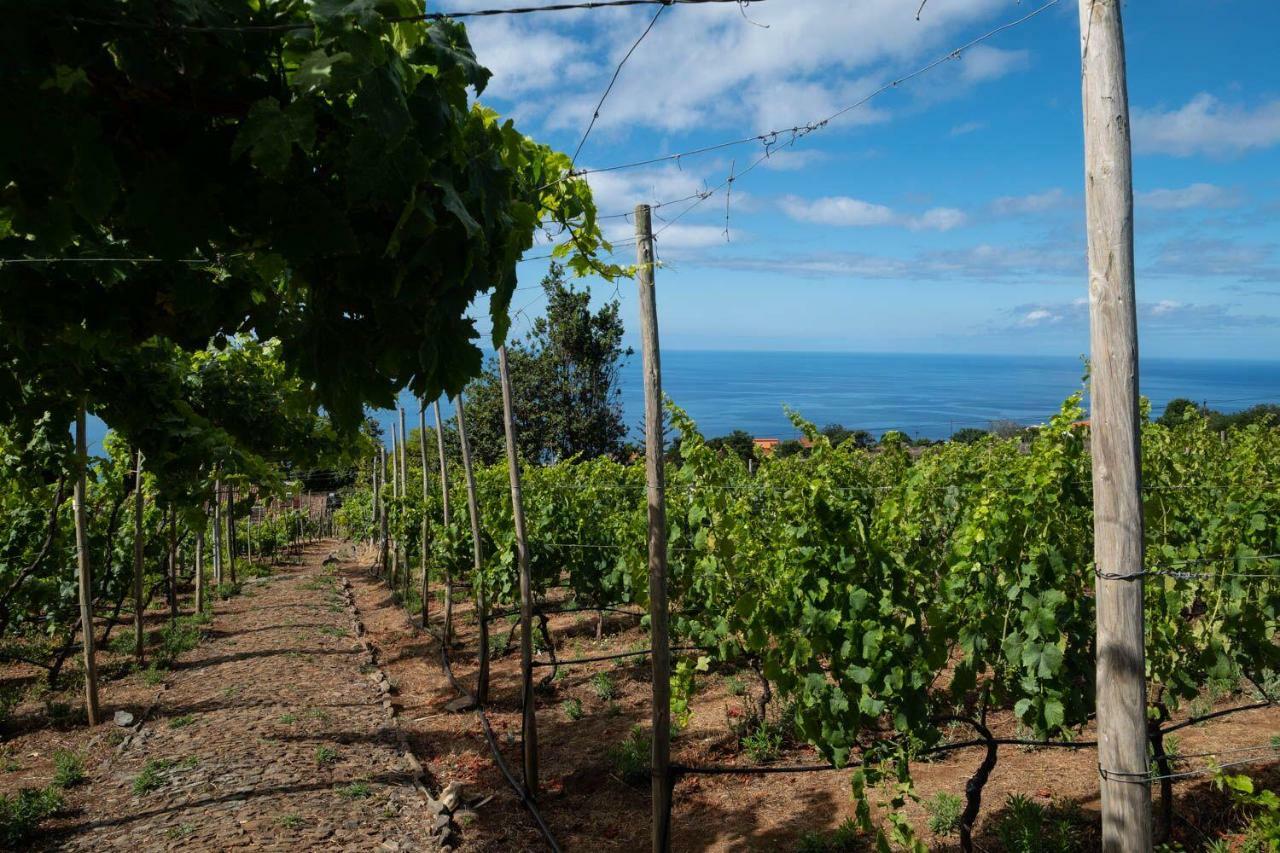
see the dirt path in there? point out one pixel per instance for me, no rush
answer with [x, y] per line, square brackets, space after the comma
[267, 736]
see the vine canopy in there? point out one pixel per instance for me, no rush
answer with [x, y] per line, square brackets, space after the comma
[314, 172]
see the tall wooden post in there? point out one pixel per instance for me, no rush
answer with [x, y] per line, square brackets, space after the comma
[84, 580]
[426, 487]
[382, 511]
[477, 555]
[373, 486]
[446, 633]
[217, 532]
[404, 497]
[139, 636]
[1114, 427]
[395, 493]
[231, 532]
[200, 570]
[655, 475]
[173, 563]
[530, 729]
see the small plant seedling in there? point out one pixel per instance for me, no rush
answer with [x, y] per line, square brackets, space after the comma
[631, 757]
[68, 768]
[21, 814]
[326, 755]
[572, 708]
[945, 811]
[602, 684]
[153, 675]
[288, 719]
[292, 821]
[152, 776]
[763, 743]
[181, 722]
[182, 830]
[735, 686]
[319, 714]
[355, 790]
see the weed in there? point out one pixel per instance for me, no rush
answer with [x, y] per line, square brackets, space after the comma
[288, 719]
[153, 675]
[21, 814]
[572, 708]
[68, 768]
[355, 791]
[177, 638]
[226, 590]
[181, 722]
[326, 755]
[231, 692]
[1026, 827]
[9, 763]
[602, 684]
[182, 830]
[333, 631]
[319, 714]
[735, 686]
[845, 838]
[763, 743]
[151, 776]
[631, 757]
[292, 821]
[613, 709]
[945, 811]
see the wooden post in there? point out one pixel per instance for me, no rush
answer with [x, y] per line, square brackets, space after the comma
[1114, 417]
[139, 635]
[530, 729]
[382, 511]
[231, 532]
[395, 493]
[426, 573]
[217, 532]
[84, 580]
[173, 563]
[477, 555]
[446, 633]
[373, 486]
[655, 475]
[200, 570]
[404, 499]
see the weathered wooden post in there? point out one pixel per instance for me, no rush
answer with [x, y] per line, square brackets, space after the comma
[655, 476]
[477, 554]
[446, 633]
[84, 580]
[530, 727]
[1114, 427]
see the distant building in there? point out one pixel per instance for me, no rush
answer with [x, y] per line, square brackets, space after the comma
[766, 446]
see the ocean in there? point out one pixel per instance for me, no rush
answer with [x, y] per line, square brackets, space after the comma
[925, 396]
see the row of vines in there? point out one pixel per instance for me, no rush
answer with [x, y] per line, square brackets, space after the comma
[886, 595]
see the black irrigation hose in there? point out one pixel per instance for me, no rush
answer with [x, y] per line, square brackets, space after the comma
[619, 656]
[525, 799]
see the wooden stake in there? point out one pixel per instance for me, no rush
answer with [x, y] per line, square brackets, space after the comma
[231, 532]
[395, 493]
[477, 554]
[217, 532]
[446, 634]
[173, 563]
[426, 572]
[84, 580]
[139, 635]
[530, 729]
[382, 512]
[404, 495]
[200, 571]
[655, 475]
[1114, 417]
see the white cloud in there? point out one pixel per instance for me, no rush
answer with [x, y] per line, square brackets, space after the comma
[1026, 204]
[1186, 198]
[967, 127]
[708, 66]
[1164, 315]
[843, 211]
[1206, 125]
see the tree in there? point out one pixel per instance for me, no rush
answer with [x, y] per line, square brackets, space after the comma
[839, 433]
[1178, 410]
[969, 435]
[738, 441]
[564, 378]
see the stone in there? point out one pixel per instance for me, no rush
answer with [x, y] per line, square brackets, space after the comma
[441, 822]
[462, 703]
[123, 719]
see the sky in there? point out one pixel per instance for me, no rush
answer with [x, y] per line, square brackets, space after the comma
[944, 215]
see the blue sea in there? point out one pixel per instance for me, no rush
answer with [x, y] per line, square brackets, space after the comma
[926, 396]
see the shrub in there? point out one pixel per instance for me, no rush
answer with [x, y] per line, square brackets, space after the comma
[945, 811]
[763, 743]
[631, 757]
[68, 768]
[151, 776]
[602, 684]
[22, 813]
[572, 708]
[845, 838]
[326, 755]
[1026, 827]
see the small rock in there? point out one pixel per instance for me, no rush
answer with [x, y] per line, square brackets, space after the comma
[123, 719]
[462, 703]
[441, 822]
[435, 807]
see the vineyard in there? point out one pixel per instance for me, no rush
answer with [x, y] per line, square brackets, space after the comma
[234, 614]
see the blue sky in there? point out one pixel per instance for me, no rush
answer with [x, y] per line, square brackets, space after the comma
[943, 216]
